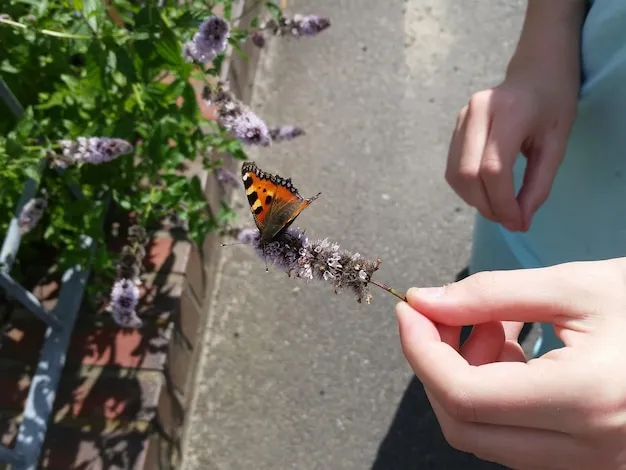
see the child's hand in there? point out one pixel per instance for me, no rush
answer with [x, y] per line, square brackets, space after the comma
[520, 115]
[564, 410]
[531, 112]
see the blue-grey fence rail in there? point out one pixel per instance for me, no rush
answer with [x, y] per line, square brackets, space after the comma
[60, 322]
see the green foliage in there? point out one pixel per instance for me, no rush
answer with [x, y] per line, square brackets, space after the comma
[113, 69]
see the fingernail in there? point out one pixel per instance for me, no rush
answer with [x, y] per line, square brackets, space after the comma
[510, 226]
[425, 292]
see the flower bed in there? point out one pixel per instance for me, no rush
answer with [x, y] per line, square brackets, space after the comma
[139, 118]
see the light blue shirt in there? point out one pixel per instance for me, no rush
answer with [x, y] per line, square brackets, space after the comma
[584, 217]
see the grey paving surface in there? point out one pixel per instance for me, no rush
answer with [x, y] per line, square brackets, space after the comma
[293, 376]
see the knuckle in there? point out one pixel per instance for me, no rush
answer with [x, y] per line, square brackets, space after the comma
[507, 102]
[479, 100]
[460, 406]
[480, 283]
[542, 193]
[460, 176]
[491, 168]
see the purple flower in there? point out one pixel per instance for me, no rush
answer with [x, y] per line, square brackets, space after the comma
[236, 118]
[226, 177]
[310, 25]
[92, 150]
[210, 41]
[124, 300]
[279, 134]
[30, 214]
[298, 256]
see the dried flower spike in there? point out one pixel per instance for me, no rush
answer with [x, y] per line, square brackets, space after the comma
[279, 134]
[30, 214]
[210, 41]
[124, 300]
[92, 150]
[298, 256]
[236, 117]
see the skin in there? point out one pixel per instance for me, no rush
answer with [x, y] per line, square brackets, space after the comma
[565, 410]
[531, 112]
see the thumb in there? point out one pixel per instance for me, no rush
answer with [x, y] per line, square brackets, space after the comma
[552, 295]
[539, 175]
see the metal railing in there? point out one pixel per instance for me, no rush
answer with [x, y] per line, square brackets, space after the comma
[60, 322]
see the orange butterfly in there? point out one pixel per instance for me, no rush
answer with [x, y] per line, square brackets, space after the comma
[274, 201]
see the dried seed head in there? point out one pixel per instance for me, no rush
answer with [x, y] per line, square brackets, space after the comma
[30, 214]
[295, 254]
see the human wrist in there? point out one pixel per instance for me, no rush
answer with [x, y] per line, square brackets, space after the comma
[549, 44]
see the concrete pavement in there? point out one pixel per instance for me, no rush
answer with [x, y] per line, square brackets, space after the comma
[293, 376]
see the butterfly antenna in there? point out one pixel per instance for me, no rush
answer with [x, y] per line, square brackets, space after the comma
[231, 244]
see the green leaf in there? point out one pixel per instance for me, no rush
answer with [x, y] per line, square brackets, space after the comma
[169, 49]
[274, 10]
[190, 104]
[94, 11]
[7, 67]
[32, 172]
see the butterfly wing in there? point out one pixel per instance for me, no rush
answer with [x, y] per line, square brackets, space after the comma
[274, 201]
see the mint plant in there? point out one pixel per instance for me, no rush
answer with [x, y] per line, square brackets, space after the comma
[111, 109]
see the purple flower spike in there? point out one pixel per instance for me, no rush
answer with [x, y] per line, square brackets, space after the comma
[91, 150]
[249, 129]
[310, 25]
[124, 300]
[279, 134]
[226, 177]
[210, 41]
[258, 38]
[236, 118]
[298, 256]
[249, 236]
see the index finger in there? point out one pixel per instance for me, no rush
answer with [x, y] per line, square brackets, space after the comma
[496, 170]
[502, 393]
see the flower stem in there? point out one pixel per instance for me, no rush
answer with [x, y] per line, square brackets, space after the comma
[48, 32]
[391, 290]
